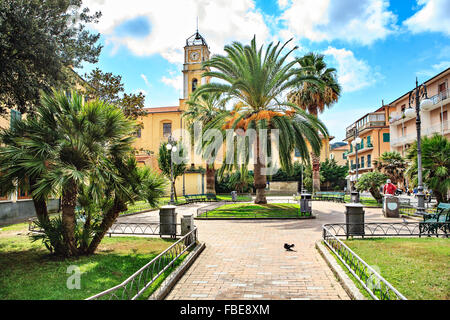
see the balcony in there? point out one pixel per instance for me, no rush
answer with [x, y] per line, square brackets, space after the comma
[372, 120]
[442, 128]
[440, 97]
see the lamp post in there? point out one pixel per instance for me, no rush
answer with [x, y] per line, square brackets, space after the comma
[355, 143]
[415, 97]
[172, 148]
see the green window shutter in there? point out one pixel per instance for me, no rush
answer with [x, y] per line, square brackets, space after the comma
[362, 143]
[351, 148]
[369, 161]
[368, 141]
[386, 137]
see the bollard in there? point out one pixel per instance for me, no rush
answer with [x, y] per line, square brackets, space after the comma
[354, 219]
[187, 225]
[168, 221]
[305, 204]
[234, 196]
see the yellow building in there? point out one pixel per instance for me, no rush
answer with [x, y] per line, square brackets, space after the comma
[373, 129]
[339, 154]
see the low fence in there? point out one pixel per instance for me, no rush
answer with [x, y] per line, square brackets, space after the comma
[136, 285]
[145, 228]
[378, 287]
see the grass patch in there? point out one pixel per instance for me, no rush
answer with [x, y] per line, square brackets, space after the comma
[367, 201]
[247, 210]
[419, 268]
[30, 273]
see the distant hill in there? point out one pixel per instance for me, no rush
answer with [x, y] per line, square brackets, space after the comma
[337, 145]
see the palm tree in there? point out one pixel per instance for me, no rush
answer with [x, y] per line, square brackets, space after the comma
[435, 164]
[316, 97]
[392, 164]
[203, 109]
[257, 80]
[66, 146]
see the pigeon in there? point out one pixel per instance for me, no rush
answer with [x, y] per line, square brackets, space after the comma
[289, 247]
[405, 221]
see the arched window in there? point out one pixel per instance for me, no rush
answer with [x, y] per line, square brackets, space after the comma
[194, 84]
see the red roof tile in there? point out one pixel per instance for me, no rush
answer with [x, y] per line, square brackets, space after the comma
[162, 109]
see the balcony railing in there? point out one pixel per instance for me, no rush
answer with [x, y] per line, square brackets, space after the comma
[370, 121]
[440, 96]
[428, 131]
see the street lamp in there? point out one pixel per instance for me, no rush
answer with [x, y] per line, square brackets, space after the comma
[173, 148]
[419, 99]
[355, 143]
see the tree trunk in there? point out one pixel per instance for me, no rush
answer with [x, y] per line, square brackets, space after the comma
[210, 179]
[260, 180]
[316, 172]
[375, 192]
[108, 220]
[41, 210]
[69, 201]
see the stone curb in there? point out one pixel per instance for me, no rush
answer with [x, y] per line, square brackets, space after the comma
[347, 283]
[168, 284]
[258, 219]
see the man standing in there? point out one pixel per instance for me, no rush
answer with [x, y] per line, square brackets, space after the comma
[389, 188]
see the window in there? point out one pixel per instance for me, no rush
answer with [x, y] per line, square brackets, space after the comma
[443, 91]
[351, 148]
[362, 144]
[386, 137]
[15, 116]
[194, 84]
[369, 142]
[297, 153]
[167, 129]
[369, 161]
[362, 162]
[21, 195]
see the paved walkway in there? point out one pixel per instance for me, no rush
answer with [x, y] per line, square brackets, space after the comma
[246, 259]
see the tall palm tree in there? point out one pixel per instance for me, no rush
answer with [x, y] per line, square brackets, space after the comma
[316, 97]
[392, 164]
[203, 109]
[435, 164]
[257, 80]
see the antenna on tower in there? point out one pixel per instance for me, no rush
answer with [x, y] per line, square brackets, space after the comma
[197, 24]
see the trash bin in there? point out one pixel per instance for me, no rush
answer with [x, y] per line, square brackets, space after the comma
[234, 196]
[168, 221]
[354, 195]
[391, 206]
[354, 219]
[305, 204]
[187, 225]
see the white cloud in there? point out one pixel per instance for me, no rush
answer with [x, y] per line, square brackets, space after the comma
[171, 22]
[360, 21]
[434, 69]
[175, 81]
[433, 16]
[353, 74]
[144, 77]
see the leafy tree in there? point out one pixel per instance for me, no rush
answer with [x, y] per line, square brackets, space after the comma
[81, 152]
[435, 165]
[203, 109]
[392, 164]
[315, 97]
[333, 174]
[258, 80]
[165, 160]
[39, 41]
[108, 87]
[372, 181]
[241, 181]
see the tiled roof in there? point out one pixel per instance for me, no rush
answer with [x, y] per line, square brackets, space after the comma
[162, 109]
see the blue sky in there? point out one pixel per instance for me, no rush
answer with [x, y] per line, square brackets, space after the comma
[377, 46]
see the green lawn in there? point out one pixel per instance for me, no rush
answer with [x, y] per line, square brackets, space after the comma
[418, 268]
[367, 201]
[247, 210]
[30, 273]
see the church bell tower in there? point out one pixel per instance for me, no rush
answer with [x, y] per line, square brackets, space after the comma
[196, 52]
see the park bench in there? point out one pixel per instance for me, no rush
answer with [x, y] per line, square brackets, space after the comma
[329, 196]
[192, 198]
[432, 222]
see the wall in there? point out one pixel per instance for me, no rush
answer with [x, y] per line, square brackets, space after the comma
[20, 211]
[287, 186]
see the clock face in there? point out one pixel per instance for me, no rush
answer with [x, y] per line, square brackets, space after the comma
[195, 55]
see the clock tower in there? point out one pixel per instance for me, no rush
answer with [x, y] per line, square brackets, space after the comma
[196, 52]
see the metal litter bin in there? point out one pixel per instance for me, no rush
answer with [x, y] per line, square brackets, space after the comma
[168, 221]
[305, 204]
[234, 195]
[354, 219]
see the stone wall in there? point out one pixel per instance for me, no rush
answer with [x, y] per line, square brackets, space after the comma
[19, 211]
[287, 186]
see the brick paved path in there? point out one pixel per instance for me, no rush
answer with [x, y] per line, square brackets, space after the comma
[246, 259]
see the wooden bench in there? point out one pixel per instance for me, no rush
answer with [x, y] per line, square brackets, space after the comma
[208, 197]
[329, 196]
[432, 222]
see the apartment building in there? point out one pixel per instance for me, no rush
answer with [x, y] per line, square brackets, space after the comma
[373, 129]
[433, 119]
[340, 155]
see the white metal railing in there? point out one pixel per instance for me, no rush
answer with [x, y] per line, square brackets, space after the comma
[441, 96]
[440, 127]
